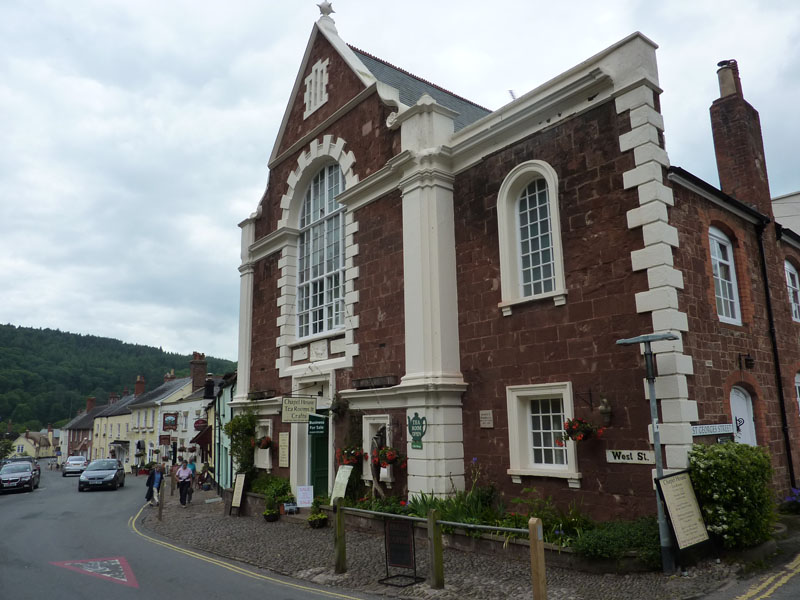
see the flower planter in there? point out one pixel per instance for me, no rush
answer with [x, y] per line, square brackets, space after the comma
[272, 517]
[318, 523]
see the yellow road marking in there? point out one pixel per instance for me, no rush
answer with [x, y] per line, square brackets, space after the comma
[231, 567]
[773, 582]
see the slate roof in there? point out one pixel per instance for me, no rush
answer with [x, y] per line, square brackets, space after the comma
[85, 420]
[161, 392]
[120, 407]
[412, 88]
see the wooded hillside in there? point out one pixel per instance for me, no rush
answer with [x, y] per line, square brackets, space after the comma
[46, 375]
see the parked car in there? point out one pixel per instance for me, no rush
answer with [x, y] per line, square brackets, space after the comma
[29, 459]
[74, 464]
[18, 475]
[103, 472]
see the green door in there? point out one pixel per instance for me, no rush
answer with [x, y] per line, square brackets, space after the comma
[318, 444]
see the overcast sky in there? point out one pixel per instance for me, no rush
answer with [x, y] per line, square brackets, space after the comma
[134, 134]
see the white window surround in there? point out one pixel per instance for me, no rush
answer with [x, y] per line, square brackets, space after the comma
[316, 93]
[793, 287]
[520, 444]
[797, 390]
[320, 154]
[263, 458]
[726, 288]
[508, 197]
[370, 424]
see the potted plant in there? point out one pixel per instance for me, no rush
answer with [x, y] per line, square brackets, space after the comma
[156, 451]
[270, 510]
[317, 519]
[349, 455]
[265, 443]
[191, 449]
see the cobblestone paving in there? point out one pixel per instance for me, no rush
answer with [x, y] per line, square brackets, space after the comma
[290, 547]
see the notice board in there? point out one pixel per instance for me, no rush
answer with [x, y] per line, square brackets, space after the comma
[684, 513]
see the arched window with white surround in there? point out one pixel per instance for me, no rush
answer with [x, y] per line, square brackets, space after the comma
[726, 291]
[793, 287]
[320, 266]
[529, 232]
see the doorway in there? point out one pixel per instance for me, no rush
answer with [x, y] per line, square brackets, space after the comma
[318, 450]
[744, 427]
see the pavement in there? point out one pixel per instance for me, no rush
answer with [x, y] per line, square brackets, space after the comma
[290, 547]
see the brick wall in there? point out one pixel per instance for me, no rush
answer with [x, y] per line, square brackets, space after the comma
[541, 342]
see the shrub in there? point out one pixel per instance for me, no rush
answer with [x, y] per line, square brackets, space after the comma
[241, 430]
[613, 539]
[276, 490]
[732, 486]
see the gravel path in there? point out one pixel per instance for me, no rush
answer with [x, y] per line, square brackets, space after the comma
[290, 547]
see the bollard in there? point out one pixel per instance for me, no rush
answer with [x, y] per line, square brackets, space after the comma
[436, 575]
[339, 542]
[538, 579]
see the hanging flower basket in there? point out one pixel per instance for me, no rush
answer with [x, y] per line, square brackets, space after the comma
[191, 449]
[349, 455]
[182, 449]
[156, 451]
[265, 443]
[386, 456]
[579, 430]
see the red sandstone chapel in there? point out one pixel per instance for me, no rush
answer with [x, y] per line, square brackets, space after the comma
[417, 257]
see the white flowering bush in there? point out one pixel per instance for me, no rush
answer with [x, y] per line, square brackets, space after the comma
[731, 482]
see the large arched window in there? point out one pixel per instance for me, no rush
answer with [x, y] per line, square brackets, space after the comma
[726, 290]
[793, 286]
[320, 266]
[531, 259]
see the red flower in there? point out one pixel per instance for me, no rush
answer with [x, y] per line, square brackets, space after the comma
[402, 502]
[559, 442]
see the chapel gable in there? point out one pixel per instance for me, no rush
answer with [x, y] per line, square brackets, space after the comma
[325, 83]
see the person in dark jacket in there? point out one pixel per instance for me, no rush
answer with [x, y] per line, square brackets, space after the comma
[153, 483]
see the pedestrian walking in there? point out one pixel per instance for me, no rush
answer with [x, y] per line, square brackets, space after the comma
[153, 483]
[184, 477]
[193, 469]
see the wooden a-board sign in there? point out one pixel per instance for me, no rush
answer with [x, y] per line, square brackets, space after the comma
[238, 490]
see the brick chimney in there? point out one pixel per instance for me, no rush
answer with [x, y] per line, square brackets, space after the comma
[199, 367]
[113, 397]
[169, 376]
[90, 402]
[738, 144]
[139, 387]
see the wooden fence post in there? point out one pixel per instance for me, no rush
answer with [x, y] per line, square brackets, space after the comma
[339, 542]
[435, 560]
[538, 579]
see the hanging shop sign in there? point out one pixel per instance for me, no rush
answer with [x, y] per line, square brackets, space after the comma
[417, 426]
[164, 440]
[170, 422]
[295, 409]
[200, 424]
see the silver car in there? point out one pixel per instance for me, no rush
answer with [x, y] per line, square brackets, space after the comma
[74, 465]
[103, 472]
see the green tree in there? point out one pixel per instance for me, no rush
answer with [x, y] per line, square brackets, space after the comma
[241, 430]
[6, 446]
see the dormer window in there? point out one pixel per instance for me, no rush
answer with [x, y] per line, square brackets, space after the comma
[316, 87]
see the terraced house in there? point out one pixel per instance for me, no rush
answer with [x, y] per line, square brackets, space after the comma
[420, 261]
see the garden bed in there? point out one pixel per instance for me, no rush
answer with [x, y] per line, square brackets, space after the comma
[487, 544]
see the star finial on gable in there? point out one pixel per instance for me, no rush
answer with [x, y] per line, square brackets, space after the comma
[325, 8]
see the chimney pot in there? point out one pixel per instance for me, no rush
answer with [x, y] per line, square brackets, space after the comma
[728, 75]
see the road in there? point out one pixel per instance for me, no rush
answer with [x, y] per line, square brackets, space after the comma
[58, 543]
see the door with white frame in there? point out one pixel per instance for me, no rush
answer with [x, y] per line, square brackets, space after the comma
[744, 427]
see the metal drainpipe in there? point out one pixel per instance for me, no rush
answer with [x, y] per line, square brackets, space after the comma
[775, 353]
